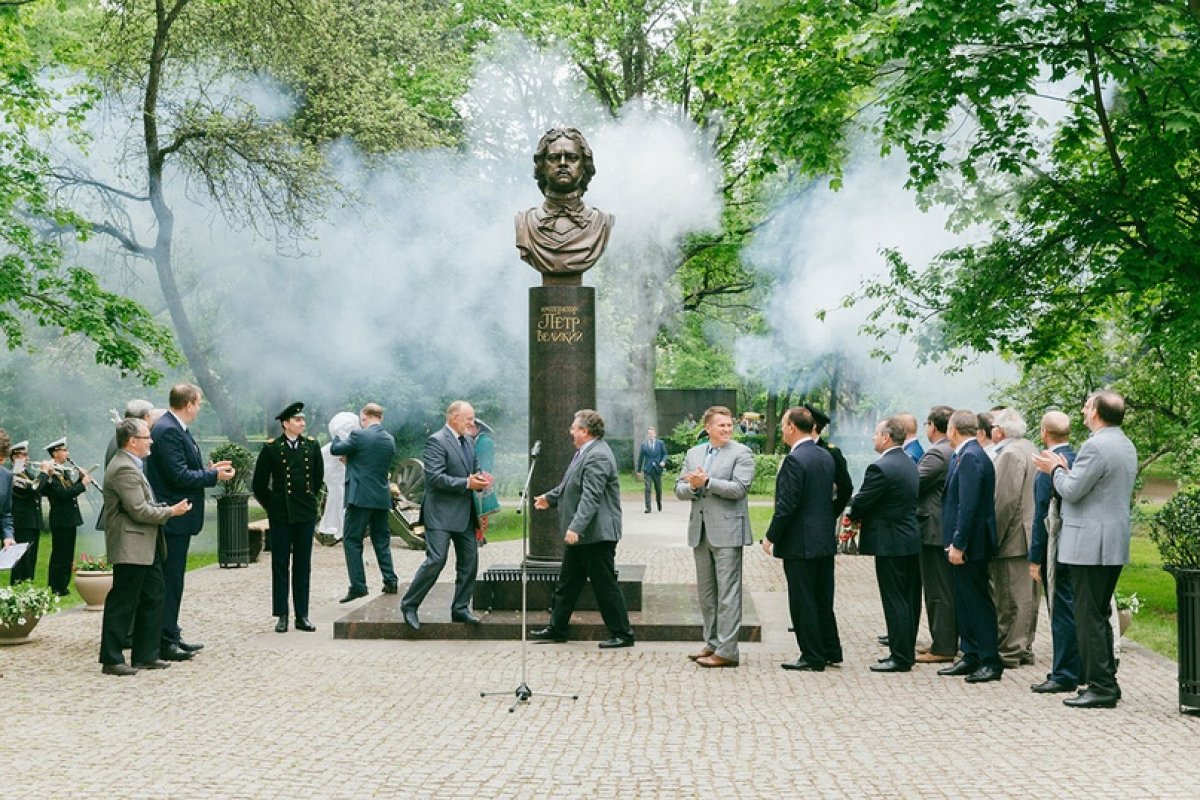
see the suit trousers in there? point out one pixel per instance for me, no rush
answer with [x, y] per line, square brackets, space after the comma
[597, 563]
[1065, 667]
[1093, 586]
[810, 601]
[976, 615]
[62, 557]
[719, 584]
[358, 521]
[938, 585]
[899, 579]
[466, 565]
[24, 569]
[174, 569]
[291, 542]
[1015, 594]
[653, 480]
[136, 599]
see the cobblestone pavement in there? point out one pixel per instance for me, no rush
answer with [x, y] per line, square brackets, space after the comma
[263, 715]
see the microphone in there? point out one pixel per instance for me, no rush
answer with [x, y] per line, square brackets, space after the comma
[537, 448]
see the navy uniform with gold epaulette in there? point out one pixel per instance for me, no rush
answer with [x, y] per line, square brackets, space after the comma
[287, 479]
[63, 488]
[29, 486]
[843, 484]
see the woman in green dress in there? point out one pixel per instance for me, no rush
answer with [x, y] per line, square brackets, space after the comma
[487, 502]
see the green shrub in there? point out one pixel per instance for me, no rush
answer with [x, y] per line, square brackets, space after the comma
[243, 465]
[1175, 530]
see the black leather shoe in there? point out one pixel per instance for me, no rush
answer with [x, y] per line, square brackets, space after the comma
[985, 675]
[173, 652]
[1090, 698]
[1050, 686]
[959, 668]
[547, 634]
[647, 511]
[157, 664]
[410, 618]
[890, 665]
[118, 669]
[190, 648]
[303, 624]
[615, 642]
[351, 596]
[469, 619]
[800, 665]
[391, 587]
[282, 625]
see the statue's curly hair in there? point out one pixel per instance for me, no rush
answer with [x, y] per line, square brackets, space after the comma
[539, 156]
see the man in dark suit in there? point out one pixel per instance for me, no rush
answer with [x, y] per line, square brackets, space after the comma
[64, 487]
[449, 514]
[801, 533]
[287, 481]
[886, 506]
[841, 471]
[368, 452]
[28, 486]
[912, 442]
[588, 500]
[1095, 491]
[652, 460]
[1045, 568]
[176, 472]
[936, 579]
[969, 535]
[136, 548]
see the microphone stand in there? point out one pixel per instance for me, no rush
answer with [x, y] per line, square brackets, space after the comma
[523, 692]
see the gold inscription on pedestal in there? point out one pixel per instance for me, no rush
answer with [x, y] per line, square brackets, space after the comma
[559, 324]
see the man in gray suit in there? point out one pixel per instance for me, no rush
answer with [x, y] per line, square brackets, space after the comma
[1094, 541]
[368, 452]
[588, 500]
[449, 514]
[136, 548]
[716, 479]
[936, 578]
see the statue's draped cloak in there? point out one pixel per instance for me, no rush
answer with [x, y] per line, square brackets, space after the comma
[563, 235]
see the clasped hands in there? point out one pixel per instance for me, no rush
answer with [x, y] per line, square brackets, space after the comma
[478, 481]
[225, 470]
[696, 478]
[1047, 460]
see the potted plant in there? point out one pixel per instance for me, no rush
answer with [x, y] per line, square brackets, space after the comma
[1175, 530]
[93, 580]
[21, 607]
[233, 499]
[1127, 606]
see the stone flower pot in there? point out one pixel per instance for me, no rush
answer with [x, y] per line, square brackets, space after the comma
[17, 633]
[93, 587]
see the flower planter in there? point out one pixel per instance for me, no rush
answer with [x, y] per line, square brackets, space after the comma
[1124, 619]
[93, 587]
[17, 634]
[1187, 596]
[233, 521]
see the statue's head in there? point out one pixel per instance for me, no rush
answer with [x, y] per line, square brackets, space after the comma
[563, 161]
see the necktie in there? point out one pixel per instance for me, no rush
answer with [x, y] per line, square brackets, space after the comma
[462, 442]
[708, 459]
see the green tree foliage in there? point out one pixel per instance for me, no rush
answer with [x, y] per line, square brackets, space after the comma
[38, 283]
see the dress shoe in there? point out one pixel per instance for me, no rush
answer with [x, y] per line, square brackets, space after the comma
[156, 664]
[282, 625]
[190, 648]
[410, 618]
[883, 641]
[173, 652]
[1051, 686]
[922, 650]
[1089, 698]
[617, 641]
[351, 596]
[391, 587]
[890, 665]
[800, 665]
[705, 653]
[469, 619]
[118, 669]
[303, 624]
[834, 662]
[647, 511]
[959, 668]
[547, 634]
[985, 675]
[716, 661]
[933, 658]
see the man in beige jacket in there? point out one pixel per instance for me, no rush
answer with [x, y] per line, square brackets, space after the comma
[1013, 590]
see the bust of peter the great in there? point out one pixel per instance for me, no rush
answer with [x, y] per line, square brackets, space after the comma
[563, 238]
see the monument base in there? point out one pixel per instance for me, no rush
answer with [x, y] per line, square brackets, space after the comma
[499, 587]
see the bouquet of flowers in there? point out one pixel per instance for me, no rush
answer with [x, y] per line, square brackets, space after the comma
[86, 563]
[21, 602]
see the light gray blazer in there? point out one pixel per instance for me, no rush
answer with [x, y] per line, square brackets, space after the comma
[1095, 500]
[720, 508]
[589, 497]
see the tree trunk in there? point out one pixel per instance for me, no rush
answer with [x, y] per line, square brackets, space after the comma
[771, 421]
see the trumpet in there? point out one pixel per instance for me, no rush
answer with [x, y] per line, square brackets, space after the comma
[81, 472]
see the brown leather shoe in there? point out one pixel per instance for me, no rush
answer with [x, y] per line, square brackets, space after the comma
[705, 653]
[933, 658]
[716, 661]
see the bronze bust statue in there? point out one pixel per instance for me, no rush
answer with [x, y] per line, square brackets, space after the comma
[563, 238]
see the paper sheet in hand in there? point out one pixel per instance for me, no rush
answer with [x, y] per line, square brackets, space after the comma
[11, 555]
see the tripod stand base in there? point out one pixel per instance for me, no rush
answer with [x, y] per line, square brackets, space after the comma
[523, 693]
